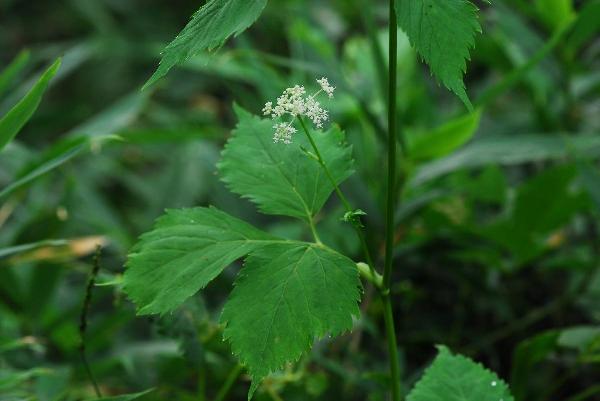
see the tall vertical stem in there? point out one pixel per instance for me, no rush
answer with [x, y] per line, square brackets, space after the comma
[390, 331]
[390, 205]
[391, 145]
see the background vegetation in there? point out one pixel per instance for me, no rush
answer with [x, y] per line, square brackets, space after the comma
[497, 246]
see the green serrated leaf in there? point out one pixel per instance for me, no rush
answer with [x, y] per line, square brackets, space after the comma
[288, 294]
[457, 378]
[209, 28]
[15, 119]
[286, 297]
[186, 250]
[442, 32]
[282, 179]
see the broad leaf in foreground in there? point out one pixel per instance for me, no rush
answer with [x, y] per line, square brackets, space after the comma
[286, 297]
[15, 119]
[185, 251]
[288, 294]
[209, 28]
[442, 32]
[457, 378]
[282, 179]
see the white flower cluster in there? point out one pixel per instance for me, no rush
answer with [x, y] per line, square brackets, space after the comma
[326, 87]
[283, 133]
[296, 103]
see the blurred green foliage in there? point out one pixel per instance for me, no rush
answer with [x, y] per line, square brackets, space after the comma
[498, 243]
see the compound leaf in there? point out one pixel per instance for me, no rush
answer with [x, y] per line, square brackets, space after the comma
[286, 296]
[457, 378]
[442, 32]
[208, 29]
[186, 250]
[282, 179]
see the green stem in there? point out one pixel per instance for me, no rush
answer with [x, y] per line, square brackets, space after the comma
[390, 206]
[313, 229]
[322, 163]
[370, 275]
[391, 174]
[340, 194]
[231, 378]
[84, 316]
[390, 331]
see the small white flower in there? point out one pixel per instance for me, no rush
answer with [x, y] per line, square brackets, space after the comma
[278, 111]
[316, 114]
[294, 102]
[283, 133]
[268, 109]
[326, 87]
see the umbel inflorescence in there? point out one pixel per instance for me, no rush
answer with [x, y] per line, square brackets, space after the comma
[295, 102]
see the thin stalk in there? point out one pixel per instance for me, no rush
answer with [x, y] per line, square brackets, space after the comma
[325, 168]
[390, 331]
[390, 207]
[370, 275]
[340, 194]
[313, 229]
[83, 320]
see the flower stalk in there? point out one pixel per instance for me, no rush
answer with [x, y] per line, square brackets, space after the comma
[349, 211]
[295, 103]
